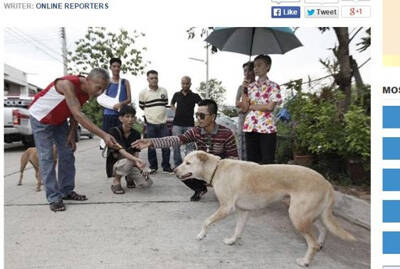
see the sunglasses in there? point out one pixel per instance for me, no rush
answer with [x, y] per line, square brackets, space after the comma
[201, 115]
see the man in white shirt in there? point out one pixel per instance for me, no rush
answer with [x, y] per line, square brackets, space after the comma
[154, 100]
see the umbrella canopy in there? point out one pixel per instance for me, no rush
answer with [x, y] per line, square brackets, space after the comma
[254, 40]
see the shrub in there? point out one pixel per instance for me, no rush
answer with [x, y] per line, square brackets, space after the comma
[356, 133]
[317, 127]
[284, 151]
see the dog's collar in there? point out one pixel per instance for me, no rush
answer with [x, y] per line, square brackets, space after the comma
[213, 174]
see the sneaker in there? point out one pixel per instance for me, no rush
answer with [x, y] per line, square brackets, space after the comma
[168, 170]
[197, 195]
[152, 171]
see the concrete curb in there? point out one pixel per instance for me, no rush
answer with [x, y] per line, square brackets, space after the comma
[353, 209]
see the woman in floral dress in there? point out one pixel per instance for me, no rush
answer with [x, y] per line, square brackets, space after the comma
[259, 125]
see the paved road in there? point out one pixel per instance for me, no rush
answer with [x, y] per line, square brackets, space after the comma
[149, 228]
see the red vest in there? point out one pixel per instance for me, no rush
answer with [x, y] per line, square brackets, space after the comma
[50, 107]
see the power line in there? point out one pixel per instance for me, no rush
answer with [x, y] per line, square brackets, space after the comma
[330, 75]
[369, 59]
[13, 41]
[358, 30]
[38, 46]
[20, 37]
[38, 42]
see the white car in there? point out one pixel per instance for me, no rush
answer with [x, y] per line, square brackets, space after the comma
[82, 131]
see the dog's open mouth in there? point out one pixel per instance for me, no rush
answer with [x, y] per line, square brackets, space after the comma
[185, 176]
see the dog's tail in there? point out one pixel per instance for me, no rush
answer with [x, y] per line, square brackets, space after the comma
[333, 226]
[24, 162]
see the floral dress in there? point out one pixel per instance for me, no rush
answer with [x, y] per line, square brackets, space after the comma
[261, 94]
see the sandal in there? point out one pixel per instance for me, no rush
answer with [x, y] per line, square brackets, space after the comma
[146, 173]
[57, 206]
[76, 197]
[117, 189]
[130, 183]
[147, 180]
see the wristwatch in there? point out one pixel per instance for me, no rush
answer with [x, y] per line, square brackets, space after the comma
[119, 147]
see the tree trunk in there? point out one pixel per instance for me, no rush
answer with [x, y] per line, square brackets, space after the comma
[357, 75]
[343, 78]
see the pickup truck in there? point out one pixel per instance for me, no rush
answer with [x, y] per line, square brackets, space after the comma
[17, 125]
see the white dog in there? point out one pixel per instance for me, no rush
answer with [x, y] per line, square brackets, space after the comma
[245, 186]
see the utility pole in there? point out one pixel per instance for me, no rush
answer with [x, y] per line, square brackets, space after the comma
[64, 50]
[207, 59]
[207, 65]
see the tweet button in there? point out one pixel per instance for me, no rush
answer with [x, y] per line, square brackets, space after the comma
[321, 12]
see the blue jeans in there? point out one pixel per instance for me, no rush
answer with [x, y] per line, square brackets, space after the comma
[178, 130]
[156, 131]
[45, 135]
[110, 121]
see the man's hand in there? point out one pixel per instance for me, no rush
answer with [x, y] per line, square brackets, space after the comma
[242, 107]
[110, 141]
[142, 143]
[71, 141]
[245, 83]
[140, 164]
[117, 106]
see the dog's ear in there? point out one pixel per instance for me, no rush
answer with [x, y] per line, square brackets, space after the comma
[203, 157]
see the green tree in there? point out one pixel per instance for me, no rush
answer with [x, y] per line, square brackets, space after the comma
[215, 89]
[95, 50]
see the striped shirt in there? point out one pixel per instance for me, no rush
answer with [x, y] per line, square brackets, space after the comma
[50, 107]
[154, 103]
[221, 141]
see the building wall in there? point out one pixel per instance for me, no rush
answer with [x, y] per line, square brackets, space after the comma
[16, 83]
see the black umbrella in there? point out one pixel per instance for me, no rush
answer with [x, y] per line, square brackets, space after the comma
[254, 40]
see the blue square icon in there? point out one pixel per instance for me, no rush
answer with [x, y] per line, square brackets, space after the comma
[286, 12]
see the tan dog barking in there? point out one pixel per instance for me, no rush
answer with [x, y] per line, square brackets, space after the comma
[31, 155]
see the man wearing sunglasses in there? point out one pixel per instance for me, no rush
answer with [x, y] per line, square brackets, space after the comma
[207, 136]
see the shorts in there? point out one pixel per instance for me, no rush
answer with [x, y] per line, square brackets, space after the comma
[127, 168]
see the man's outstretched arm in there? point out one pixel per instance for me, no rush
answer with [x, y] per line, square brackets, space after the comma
[67, 88]
[165, 142]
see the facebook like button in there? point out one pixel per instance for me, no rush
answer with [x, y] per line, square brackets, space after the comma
[289, 12]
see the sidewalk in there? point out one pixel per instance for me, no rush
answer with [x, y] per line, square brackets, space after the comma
[150, 228]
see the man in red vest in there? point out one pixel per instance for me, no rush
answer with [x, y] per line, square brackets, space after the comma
[49, 113]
